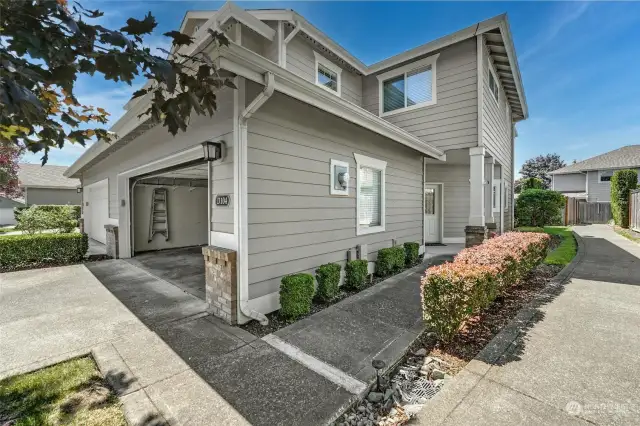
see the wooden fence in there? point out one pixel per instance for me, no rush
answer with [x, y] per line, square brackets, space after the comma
[634, 210]
[580, 211]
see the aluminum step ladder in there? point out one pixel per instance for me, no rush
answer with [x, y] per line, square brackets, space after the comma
[159, 221]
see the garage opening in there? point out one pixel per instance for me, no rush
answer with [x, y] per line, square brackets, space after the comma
[170, 224]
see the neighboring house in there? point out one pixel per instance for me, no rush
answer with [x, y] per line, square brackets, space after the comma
[6, 210]
[591, 179]
[47, 185]
[324, 154]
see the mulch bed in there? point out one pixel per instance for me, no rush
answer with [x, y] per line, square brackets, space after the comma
[480, 329]
[276, 322]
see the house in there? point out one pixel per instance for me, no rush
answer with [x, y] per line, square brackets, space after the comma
[47, 185]
[591, 179]
[6, 210]
[320, 158]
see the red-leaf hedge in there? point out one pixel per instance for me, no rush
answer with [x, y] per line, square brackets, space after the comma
[453, 292]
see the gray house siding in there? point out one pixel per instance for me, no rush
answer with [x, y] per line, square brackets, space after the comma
[301, 61]
[599, 191]
[42, 196]
[496, 132]
[452, 122]
[157, 143]
[456, 192]
[294, 224]
[574, 182]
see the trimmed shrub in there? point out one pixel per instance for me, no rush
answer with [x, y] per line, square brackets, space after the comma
[390, 260]
[40, 218]
[356, 273]
[328, 278]
[539, 207]
[77, 210]
[453, 292]
[296, 294]
[411, 253]
[21, 251]
[622, 182]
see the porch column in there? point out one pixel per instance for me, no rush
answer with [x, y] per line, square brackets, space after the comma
[489, 163]
[476, 231]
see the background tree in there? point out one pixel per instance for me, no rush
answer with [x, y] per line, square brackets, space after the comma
[47, 44]
[9, 158]
[540, 166]
[527, 183]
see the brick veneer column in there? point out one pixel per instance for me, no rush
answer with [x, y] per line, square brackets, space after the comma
[113, 248]
[221, 282]
[474, 235]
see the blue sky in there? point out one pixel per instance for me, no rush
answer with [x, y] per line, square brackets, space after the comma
[579, 61]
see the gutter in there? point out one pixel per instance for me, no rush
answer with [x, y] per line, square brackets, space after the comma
[242, 202]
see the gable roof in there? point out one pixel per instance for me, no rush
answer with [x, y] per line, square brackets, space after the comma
[37, 176]
[621, 158]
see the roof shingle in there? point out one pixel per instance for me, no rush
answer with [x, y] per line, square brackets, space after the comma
[627, 156]
[35, 175]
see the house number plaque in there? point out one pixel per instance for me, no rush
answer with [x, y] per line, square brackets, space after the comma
[223, 200]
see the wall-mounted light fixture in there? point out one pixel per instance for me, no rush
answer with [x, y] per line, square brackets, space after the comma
[79, 190]
[214, 150]
[339, 178]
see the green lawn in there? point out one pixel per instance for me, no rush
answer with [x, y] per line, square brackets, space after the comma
[565, 252]
[69, 393]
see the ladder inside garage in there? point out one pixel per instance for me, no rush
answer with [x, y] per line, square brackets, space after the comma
[159, 221]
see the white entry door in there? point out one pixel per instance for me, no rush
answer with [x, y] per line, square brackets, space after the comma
[432, 215]
[96, 210]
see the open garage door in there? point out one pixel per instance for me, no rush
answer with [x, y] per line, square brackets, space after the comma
[96, 210]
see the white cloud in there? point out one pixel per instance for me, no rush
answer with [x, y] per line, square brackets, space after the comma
[560, 21]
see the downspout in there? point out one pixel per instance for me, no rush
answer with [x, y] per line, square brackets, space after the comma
[243, 237]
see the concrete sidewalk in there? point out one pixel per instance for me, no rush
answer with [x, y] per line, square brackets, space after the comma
[171, 362]
[570, 358]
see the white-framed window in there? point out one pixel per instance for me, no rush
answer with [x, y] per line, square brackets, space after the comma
[493, 85]
[328, 74]
[604, 176]
[495, 195]
[370, 194]
[409, 87]
[506, 196]
[339, 177]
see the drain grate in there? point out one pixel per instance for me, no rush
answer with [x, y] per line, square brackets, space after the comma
[414, 388]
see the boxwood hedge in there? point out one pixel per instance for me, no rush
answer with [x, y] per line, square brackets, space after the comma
[23, 251]
[296, 294]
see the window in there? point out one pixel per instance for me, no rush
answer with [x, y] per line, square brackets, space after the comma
[605, 175]
[493, 85]
[370, 194]
[495, 196]
[430, 201]
[408, 87]
[327, 74]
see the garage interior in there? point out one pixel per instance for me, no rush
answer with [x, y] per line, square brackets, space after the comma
[170, 225]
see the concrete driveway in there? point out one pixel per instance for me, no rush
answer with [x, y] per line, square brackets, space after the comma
[572, 358]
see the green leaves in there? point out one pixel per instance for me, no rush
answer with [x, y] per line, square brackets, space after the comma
[136, 27]
[48, 44]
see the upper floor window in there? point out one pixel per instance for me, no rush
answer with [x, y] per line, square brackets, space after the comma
[409, 87]
[605, 175]
[327, 74]
[493, 85]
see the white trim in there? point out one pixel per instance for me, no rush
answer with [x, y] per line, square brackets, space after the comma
[423, 63]
[453, 240]
[492, 73]
[332, 177]
[334, 375]
[223, 239]
[480, 84]
[600, 175]
[321, 60]
[267, 303]
[232, 11]
[363, 160]
[424, 221]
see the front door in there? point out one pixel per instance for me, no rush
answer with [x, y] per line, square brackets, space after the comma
[432, 217]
